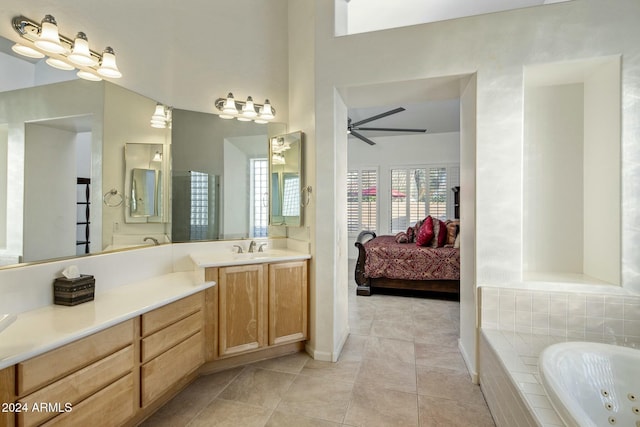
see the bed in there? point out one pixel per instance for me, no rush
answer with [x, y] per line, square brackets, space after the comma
[385, 263]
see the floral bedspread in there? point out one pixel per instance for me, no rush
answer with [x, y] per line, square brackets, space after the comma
[386, 258]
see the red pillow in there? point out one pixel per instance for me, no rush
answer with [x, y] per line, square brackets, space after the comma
[442, 237]
[426, 232]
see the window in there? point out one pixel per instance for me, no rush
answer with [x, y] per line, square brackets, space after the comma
[199, 205]
[362, 200]
[259, 195]
[418, 192]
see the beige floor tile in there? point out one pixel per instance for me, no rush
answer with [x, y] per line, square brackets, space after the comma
[354, 347]
[282, 419]
[394, 314]
[386, 348]
[395, 330]
[382, 408]
[291, 364]
[448, 384]
[225, 413]
[259, 387]
[317, 398]
[342, 370]
[451, 413]
[360, 326]
[387, 374]
[442, 356]
[193, 399]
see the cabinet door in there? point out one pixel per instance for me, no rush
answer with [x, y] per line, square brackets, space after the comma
[242, 309]
[287, 302]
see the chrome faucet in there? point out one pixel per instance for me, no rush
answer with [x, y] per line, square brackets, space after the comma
[262, 245]
[239, 248]
[155, 241]
[252, 246]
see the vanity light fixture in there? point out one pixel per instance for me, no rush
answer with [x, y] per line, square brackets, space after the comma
[161, 118]
[42, 39]
[245, 111]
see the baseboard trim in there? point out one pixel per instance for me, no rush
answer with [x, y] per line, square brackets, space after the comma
[474, 374]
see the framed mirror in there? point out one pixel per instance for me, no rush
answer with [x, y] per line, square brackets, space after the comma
[285, 179]
[144, 183]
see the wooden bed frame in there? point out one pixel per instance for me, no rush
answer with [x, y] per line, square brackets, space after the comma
[366, 284]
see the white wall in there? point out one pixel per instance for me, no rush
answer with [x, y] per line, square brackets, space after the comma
[602, 178]
[572, 170]
[553, 199]
[496, 47]
[235, 218]
[61, 100]
[49, 193]
[4, 140]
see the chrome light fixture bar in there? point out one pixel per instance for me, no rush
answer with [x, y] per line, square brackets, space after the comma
[245, 110]
[42, 39]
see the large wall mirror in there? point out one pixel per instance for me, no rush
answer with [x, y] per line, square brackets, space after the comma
[285, 179]
[219, 177]
[66, 186]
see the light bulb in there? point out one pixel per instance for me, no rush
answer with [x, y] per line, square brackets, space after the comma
[108, 67]
[59, 64]
[27, 51]
[249, 110]
[49, 39]
[229, 106]
[87, 75]
[266, 112]
[80, 54]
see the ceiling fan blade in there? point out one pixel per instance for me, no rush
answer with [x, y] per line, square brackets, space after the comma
[378, 116]
[393, 129]
[363, 138]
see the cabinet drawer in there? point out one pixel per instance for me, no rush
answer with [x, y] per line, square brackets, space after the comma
[158, 375]
[77, 386]
[41, 370]
[110, 407]
[166, 338]
[164, 316]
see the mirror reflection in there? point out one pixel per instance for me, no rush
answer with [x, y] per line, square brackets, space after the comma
[285, 186]
[219, 177]
[144, 182]
[43, 110]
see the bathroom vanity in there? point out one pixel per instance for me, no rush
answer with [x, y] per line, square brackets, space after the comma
[134, 347]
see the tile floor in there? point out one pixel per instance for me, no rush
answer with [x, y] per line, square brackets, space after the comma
[399, 367]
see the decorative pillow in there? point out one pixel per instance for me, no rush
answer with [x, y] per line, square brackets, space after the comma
[440, 234]
[416, 229]
[453, 227]
[425, 235]
[411, 235]
[402, 237]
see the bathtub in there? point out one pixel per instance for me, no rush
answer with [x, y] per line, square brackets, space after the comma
[592, 384]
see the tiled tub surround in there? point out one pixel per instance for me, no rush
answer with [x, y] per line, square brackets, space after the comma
[517, 323]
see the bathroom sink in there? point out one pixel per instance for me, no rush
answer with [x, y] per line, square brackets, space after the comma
[6, 320]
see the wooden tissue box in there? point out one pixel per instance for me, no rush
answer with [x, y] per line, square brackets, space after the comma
[74, 291]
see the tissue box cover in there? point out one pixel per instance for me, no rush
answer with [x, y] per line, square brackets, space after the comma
[73, 291]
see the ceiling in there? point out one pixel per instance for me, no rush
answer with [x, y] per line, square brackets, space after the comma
[189, 56]
[432, 103]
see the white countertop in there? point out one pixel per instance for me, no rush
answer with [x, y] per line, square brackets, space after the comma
[222, 259]
[38, 331]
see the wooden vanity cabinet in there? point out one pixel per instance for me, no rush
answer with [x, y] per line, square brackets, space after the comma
[76, 383]
[259, 306]
[172, 346]
[242, 308]
[288, 302]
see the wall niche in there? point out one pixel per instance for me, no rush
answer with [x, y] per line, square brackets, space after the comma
[572, 203]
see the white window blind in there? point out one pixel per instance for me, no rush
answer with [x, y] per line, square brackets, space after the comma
[362, 200]
[418, 192]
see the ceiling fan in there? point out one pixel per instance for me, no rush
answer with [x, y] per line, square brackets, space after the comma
[355, 129]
